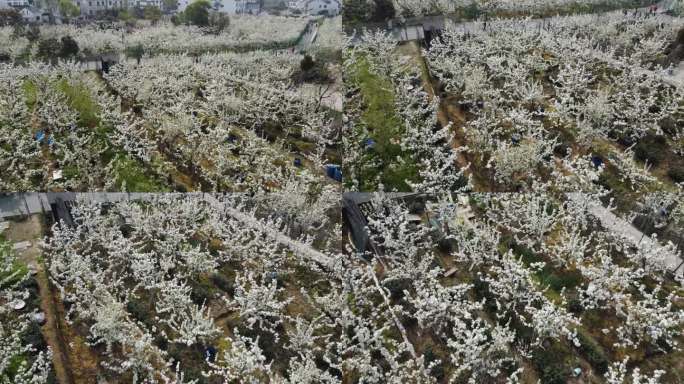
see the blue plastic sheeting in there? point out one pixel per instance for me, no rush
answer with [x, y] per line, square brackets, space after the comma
[297, 162]
[369, 143]
[210, 353]
[40, 135]
[597, 161]
[334, 172]
[50, 140]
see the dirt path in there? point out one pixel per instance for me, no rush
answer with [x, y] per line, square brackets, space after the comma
[446, 113]
[31, 230]
[44, 149]
[52, 330]
[72, 360]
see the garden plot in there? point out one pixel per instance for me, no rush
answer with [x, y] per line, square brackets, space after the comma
[569, 103]
[393, 138]
[56, 127]
[529, 288]
[329, 36]
[200, 287]
[225, 121]
[25, 356]
[539, 99]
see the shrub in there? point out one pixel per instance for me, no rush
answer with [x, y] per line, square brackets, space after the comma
[528, 256]
[575, 306]
[202, 291]
[550, 364]
[593, 353]
[447, 245]
[676, 173]
[383, 10]
[307, 63]
[197, 13]
[10, 16]
[397, 287]
[140, 311]
[49, 49]
[651, 148]
[34, 337]
[668, 125]
[136, 51]
[567, 279]
[222, 283]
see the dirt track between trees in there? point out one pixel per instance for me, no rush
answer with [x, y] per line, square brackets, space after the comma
[31, 230]
[55, 331]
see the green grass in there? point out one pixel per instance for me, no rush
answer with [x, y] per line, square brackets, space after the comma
[12, 369]
[80, 99]
[592, 351]
[553, 363]
[70, 171]
[30, 93]
[19, 270]
[379, 117]
[133, 175]
[128, 171]
[547, 276]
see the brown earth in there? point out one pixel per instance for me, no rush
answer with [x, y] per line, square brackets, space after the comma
[73, 361]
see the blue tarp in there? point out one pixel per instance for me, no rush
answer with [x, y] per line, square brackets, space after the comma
[210, 353]
[297, 162]
[40, 135]
[334, 172]
[369, 143]
[597, 161]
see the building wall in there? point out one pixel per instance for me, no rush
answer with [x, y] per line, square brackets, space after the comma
[315, 7]
[228, 6]
[235, 7]
[91, 7]
[182, 4]
[13, 3]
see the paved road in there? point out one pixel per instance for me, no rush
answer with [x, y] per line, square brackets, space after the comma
[624, 229]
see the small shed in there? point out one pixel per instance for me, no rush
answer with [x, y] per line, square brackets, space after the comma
[101, 62]
[417, 28]
[31, 15]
